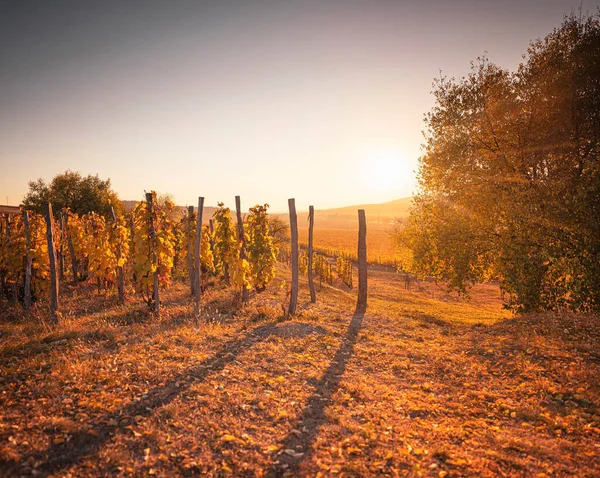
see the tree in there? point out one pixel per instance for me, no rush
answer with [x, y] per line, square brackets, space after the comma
[71, 190]
[510, 178]
[279, 231]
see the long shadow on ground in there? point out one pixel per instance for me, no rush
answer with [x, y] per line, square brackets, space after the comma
[313, 415]
[60, 457]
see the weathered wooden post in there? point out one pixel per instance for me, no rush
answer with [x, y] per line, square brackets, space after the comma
[27, 292]
[242, 242]
[211, 226]
[13, 286]
[61, 258]
[294, 234]
[197, 263]
[120, 276]
[71, 249]
[190, 250]
[95, 235]
[362, 261]
[156, 294]
[2, 283]
[311, 225]
[52, 260]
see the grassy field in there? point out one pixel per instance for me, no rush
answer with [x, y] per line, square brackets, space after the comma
[419, 386]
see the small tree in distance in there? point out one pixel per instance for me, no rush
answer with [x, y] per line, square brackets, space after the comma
[73, 191]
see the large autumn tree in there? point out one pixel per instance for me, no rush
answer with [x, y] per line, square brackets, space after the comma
[510, 177]
[81, 194]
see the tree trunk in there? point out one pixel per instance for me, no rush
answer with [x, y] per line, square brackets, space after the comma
[362, 261]
[52, 260]
[311, 225]
[294, 238]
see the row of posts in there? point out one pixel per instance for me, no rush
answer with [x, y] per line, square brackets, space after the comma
[361, 304]
[195, 271]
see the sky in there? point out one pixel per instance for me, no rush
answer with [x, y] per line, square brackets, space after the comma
[318, 100]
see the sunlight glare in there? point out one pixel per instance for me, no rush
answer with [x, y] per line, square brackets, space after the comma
[387, 169]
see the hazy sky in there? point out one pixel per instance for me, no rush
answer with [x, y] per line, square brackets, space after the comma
[318, 100]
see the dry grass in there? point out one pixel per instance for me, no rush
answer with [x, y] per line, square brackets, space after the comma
[424, 384]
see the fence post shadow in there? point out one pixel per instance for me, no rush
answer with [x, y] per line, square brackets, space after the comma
[59, 457]
[313, 415]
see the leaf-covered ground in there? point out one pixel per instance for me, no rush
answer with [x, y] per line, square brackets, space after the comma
[417, 386]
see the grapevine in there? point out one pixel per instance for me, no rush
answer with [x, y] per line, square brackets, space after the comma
[323, 269]
[262, 253]
[151, 256]
[234, 270]
[13, 249]
[344, 270]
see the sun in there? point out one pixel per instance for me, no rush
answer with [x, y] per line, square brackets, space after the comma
[387, 170]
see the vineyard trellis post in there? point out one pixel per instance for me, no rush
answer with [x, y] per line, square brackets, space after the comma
[156, 293]
[362, 261]
[71, 250]
[190, 255]
[197, 263]
[61, 258]
[211, 227]
[120, 275]
[311, 225]
[52, 259]
[294, 258]
[242, 243]
[27, 291]
[14, 284]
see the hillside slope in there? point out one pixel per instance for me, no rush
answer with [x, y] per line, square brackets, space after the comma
[423, 384]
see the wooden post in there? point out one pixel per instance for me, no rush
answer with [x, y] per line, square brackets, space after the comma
[294, 234]
[1, 283]
[52, 258]
[27, 292]
[197, 263]
[14, 288]
[120, 277]
[211, 226]
[242, 242]
[156, 293]
[61, 259]
[95, 236]
[362, 261]
[311, 225]
[71, 249]
[190, 251]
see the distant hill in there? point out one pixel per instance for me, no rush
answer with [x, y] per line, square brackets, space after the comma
[384, 214]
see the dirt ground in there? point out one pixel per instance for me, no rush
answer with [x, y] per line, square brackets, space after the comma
[422, 384]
